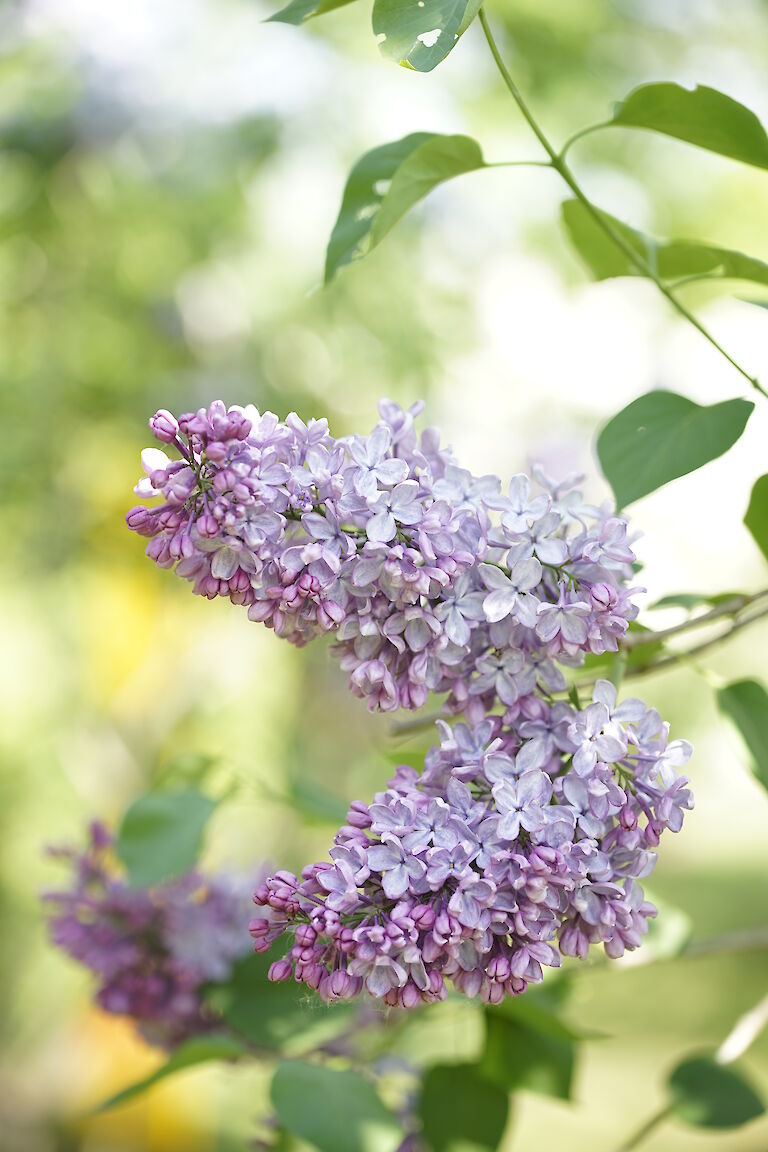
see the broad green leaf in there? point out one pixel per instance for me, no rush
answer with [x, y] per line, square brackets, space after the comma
[540, 1010]
[335, 1111]
[756, 518]
[199, 1050]
[420, 35]
[668, 259]
[746, 702]
[300, 10]
[314, 802]
[453, 1035]
[661, 436]
[710, 1095]
[523, 1055]
[461, 1111]
[273, 1015]
[161, 835]
[389, 180]
[701, 116]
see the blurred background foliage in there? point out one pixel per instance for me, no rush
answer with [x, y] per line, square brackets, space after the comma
[169, 175]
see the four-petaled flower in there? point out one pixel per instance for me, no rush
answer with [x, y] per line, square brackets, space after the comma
[510, 595]
[399, 868]
[400, 506]
[373, 466]
[521, 803]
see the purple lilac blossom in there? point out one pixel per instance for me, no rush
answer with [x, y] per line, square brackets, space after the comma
[152, 949]
[523, 840]
[428, 578]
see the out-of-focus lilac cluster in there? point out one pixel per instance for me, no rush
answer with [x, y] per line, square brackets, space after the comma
[152, 949]
[430, 579]
[519, 843]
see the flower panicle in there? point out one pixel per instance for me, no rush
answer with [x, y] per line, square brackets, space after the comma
[151, 949]
[519, 844]
[428, 578]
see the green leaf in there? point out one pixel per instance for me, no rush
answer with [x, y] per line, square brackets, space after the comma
[691, 600]
[272, 1015]
[389, 180]
[420, 35]
[461, 1111]
[161, 835]
[573, 696]
[661, 436]
[710, 1095]
[199, 1050]
[314, 802]
[746, 703]
[670, 260]
[519, 1054]
[756, 518]
[335, 1111]
[701, 116]
[300, 10]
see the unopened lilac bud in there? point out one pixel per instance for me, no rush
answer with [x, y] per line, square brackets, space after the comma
[346, 941]
[653, 831]
[410, 996]
[224, 481]
[602, 596]
[280, 970]
[358, 815]
[313, 974]
[628, 817]
[207, 526]
[423, 917]
[499, 969]
[437, 985]
[305, 935]
[164, 426]
[138, 518]
[339, 985]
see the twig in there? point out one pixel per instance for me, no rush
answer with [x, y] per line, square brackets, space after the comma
[636, 260]
[727, 608]
[743, 1034]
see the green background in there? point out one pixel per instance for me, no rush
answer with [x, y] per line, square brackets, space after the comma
[169, 176]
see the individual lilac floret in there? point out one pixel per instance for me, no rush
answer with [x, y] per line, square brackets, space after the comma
[151, 949]
[520, 843]
[425, 575]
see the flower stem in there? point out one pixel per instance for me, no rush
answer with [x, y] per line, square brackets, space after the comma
[637, 261]
[731, 607]
[743, 1034]
[645, 1130]
[697, 649]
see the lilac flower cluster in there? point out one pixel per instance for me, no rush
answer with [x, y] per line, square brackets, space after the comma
[523, 840]
[429, 578]
[151, 949]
